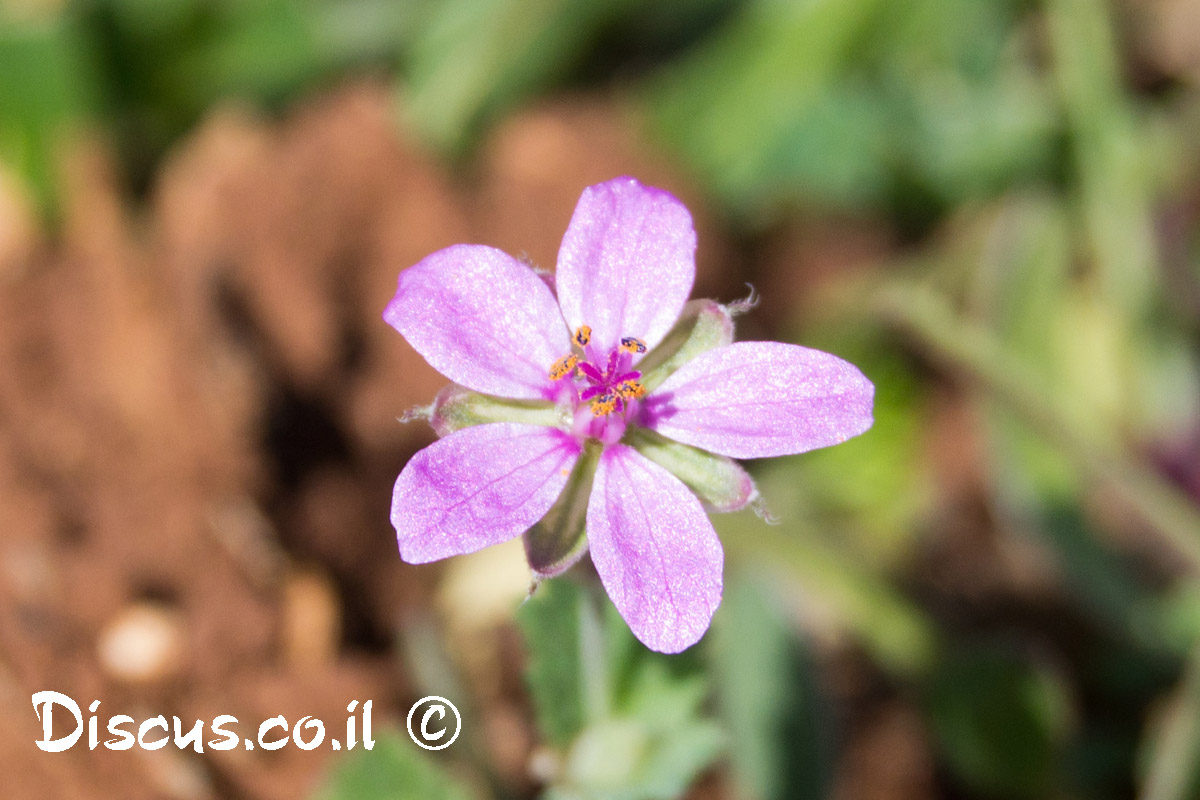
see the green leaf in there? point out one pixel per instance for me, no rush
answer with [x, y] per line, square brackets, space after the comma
[474, 58]
[734, 106]
[631, 721]
[677, 759]
[1000, 721]
[1109, 154]
[858, 104]
[550, 622]
[897, 632]
[267, 48]
[395, 769]
[779, 747]
[662, 698]
[655, 745]
[45, 91]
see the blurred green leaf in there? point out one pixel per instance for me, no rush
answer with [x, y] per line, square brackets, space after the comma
[1179, 613]
[1001, 721]
[395, 769]
[971, 348]
[263, 48]
[870, 492]
[46, 92]
[550, 623]
[652, 749]
[472, 58]
[733, 107]
[1111, 158]
[151, 69]
[643, 734]
[779, 740]
[859, 103]
[1102, 581]
[895, 631]
[666, 697]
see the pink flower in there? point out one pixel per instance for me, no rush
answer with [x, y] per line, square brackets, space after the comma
[585, 391]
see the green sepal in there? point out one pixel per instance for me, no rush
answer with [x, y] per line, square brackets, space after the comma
[554, 544]
[456, 408]
[719, 482]
[703, 325]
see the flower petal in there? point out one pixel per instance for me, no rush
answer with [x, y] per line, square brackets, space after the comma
[482, 319]
[655, 550]
[760, 399]
[477, 487]
[627, 262]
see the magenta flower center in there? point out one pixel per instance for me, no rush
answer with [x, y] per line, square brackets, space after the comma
[604, 389]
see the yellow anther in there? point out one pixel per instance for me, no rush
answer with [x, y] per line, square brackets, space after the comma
[632, 345]
[603, 405]
[631, 390]
[563, 367]
[583, 335]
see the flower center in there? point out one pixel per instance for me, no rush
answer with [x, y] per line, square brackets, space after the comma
[608, 389]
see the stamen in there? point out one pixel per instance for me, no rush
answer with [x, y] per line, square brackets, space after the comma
[631, 345]
[605, 405]
[563, 367]
[605, 391]
[630, 390]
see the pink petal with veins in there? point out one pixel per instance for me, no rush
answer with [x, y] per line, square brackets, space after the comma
[759, 399]
[627, 263]
[655, 550]
[477, 487]
[482, 319]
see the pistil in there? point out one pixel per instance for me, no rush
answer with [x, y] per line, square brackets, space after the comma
[607, 391]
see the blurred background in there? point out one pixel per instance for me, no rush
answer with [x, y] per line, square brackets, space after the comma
[991, 206]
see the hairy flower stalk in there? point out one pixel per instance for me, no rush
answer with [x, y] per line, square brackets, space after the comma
[603, 416]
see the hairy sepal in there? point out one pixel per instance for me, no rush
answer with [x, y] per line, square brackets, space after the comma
[720, 482]
[456, 408]
[702, 326]
[558, 541]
